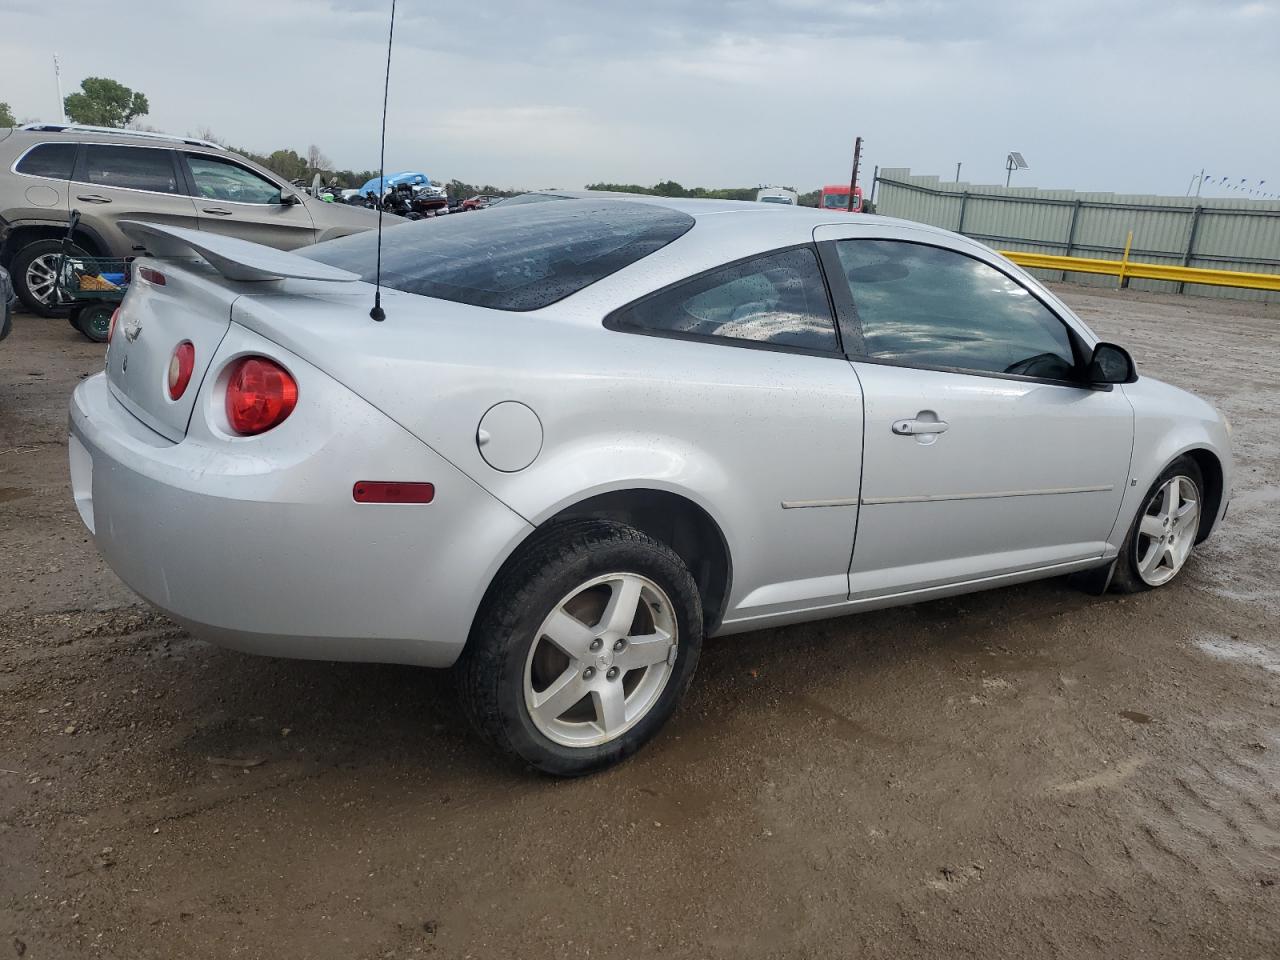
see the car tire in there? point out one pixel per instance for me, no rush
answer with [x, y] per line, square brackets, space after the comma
[27, 262]
[513, 678]
[1164, 531]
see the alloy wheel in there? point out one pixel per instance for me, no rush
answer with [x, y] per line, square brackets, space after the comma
[1167, 530]
[600, 660]
[42, 276]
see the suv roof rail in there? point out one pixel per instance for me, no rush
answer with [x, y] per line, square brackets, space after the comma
[144, 134]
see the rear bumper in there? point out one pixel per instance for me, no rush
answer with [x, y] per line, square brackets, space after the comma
[261, 548]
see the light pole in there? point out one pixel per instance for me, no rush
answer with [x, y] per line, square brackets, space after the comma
[853, 177]
[57, 75]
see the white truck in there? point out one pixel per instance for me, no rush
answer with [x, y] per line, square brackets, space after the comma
[777, 195]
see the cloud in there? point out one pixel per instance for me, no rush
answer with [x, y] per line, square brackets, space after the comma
[1097, 95]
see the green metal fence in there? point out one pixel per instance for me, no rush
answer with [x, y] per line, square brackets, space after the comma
[1179, 231]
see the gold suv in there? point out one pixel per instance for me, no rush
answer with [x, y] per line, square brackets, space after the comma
[49, 170]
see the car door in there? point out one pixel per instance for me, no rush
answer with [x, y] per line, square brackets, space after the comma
[984, 452]
[234, 200]
[752, 348]
[113, 182]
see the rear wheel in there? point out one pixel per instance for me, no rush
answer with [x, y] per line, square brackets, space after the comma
[585, 647]
[35, 271]
[1164, 531]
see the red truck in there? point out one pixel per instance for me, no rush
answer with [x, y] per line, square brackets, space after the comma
[837, 198]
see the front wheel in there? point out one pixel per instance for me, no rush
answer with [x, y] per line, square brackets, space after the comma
[584, 648]
[1165, 530]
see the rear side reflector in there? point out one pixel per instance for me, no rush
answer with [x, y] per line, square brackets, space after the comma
[151, 276]
[391, 491]
[181, 364]
[260, 395]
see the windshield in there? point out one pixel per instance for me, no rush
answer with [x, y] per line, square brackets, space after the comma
[521, 257]
[836, 201]
[786, 200]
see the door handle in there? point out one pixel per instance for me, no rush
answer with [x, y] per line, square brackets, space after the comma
[93, 198]
[216, 211]
[909, 428]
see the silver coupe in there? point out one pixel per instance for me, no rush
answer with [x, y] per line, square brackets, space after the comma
[591, 432]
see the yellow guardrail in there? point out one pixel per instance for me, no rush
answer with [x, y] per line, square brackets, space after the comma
[1125, 269]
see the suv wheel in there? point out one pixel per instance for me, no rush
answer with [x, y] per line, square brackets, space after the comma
[34, 270]
[584, 648]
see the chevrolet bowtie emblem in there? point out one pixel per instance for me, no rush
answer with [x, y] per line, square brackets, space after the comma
[132, 328]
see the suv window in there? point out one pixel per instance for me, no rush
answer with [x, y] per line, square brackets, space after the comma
[218, 179]
[930, 307]
[778, 298]
[133, 168]
[53, 160]
[520, 258]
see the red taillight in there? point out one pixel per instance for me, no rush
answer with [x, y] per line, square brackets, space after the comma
[111, 330]
[152, 276]
[260, 395]
[181, 364]
[391, 491]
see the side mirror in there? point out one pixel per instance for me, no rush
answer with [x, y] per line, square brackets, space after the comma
[288, 198]
[1111, 364]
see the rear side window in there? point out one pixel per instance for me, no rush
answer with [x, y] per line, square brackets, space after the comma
[522, 258]
[53, 160]
[134, 168]
[777, 299]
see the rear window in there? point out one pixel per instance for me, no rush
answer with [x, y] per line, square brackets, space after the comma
[133, 168]
[51, 160]
[523, 258]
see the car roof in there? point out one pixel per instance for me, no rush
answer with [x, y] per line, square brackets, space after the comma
[723, 232]
[83, 133]
[785, 223]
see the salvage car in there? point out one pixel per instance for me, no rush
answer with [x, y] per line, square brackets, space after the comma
[50, 170]
[479, 202]
[589, 434]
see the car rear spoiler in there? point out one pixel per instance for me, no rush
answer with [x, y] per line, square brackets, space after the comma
[235, 259]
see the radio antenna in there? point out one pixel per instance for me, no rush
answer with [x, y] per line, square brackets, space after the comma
[377, 313]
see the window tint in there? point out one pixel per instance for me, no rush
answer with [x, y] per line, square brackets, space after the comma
[137, 168]
[925, 306]
[218, 179]
[511, 258]
[779, 298]
[52, 160]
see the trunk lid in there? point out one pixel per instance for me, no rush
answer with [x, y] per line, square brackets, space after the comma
[194, 303]
[187, 299]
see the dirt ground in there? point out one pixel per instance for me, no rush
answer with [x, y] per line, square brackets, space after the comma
[1029, 772]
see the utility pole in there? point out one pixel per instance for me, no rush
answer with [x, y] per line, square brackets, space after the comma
[853, 178]
[957, 173]
[57, 74]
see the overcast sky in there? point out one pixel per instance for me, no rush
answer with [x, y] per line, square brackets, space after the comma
[1126, 95]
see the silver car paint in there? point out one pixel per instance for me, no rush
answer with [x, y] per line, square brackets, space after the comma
[256, 543]
[768, 443]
